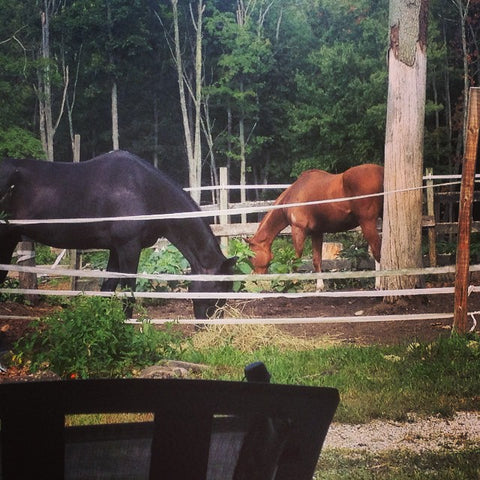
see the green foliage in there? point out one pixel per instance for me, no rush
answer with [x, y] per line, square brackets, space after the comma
[284, 261]
[97, 260]
[308, 80]
[12, 297]
[284, 256]
[355, 249]
[240, 249]
[89, 338]
[16, 142]
[167, 260]
[44, 255]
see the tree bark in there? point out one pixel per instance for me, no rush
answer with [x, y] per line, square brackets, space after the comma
[402, 226]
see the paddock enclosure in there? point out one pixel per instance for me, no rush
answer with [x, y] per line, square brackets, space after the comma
[442, 223]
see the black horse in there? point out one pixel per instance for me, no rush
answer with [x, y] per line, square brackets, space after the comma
[110, 185]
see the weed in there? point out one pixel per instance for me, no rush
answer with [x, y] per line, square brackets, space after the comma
[91, 339]
[240, 249]
[167, 260]
[12, 297]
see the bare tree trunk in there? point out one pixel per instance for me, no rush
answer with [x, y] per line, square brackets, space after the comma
[193, 148]
[207, 131]
[243, 164]
[229, 139]
[196, 167]
[44, 89]
[115, 135]
[47, 88]
[402, 220]
[70, 102]
[26, 258]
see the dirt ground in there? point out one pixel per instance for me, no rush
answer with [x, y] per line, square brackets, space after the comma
[11, 328]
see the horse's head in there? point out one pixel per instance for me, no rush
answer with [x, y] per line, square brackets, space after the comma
[262, 256]
[206, 308]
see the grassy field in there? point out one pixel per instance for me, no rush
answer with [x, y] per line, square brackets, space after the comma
[375, 382]
[399, 465]
[388, 382]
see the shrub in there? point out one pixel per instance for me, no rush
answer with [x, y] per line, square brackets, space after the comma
[89, 338]
[167, 260]
[240, 249]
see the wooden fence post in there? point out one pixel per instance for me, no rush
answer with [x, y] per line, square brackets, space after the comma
[462, 274]
[74, 257]
[224, 219]
[432, 237]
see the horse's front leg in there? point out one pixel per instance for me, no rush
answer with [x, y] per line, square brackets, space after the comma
[317, 245]
[7, 246]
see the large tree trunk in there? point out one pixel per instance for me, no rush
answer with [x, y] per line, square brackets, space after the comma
[402, 222]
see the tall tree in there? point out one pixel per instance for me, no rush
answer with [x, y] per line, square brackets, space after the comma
[191, 120]
[407, 67]
[48, 126]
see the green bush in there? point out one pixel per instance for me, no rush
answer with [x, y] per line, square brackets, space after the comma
[96, 259]
[89, 338]
[285, 261]
[44, 255]
[240, 249]
[167, 260]
[19, 143]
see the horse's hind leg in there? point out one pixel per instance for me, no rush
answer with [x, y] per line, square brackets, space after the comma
[110, 284]
[317, 245]
[125, 260]
[370, 232]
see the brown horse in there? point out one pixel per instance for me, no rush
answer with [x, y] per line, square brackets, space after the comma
[315, 220]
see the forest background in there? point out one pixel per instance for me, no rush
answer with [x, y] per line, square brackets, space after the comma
[286, 85]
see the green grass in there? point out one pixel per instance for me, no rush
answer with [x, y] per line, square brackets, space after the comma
[336, 464]
[386, 382]
[375, 382]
